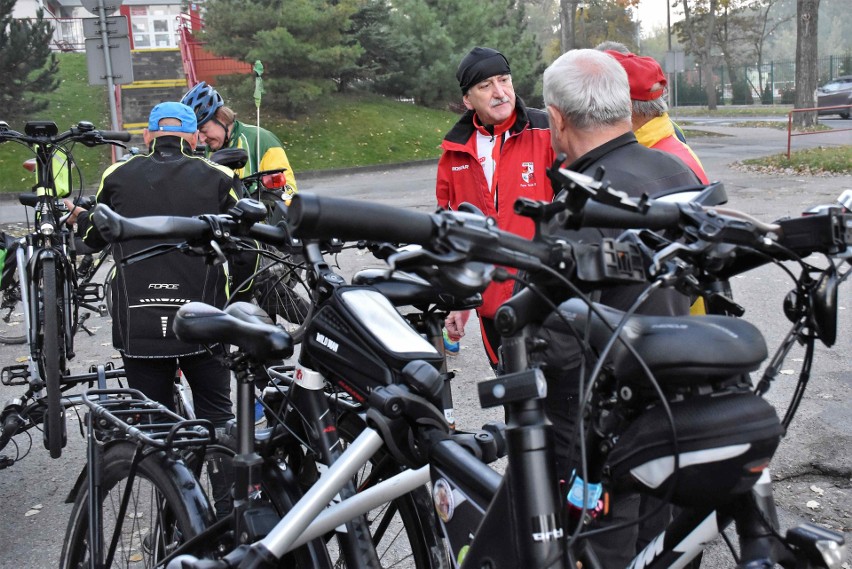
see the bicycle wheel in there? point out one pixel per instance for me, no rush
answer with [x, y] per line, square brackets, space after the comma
[281, 291]
[51, 357]
[404, 531]
[163, 511]
[13, 328]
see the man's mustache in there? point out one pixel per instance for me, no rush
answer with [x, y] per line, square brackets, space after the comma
[495, 102]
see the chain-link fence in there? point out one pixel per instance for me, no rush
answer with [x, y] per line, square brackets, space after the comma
[770, 83]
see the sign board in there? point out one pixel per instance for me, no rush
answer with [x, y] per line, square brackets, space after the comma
[119, 52]
[674, 61]
[94, 6]
[116, 27]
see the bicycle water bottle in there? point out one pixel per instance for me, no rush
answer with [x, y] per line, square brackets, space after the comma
[594, 492]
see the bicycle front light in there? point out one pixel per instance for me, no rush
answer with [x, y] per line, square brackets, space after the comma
[46, 229]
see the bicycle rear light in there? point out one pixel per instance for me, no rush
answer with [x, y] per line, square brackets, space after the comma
[274, 181]
[30, 164]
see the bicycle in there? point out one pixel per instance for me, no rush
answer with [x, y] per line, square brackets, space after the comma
[47, 281]
[304, 429]
[526, 523]
[278, 285]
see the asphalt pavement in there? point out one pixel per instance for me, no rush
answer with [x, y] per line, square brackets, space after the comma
[812, 469]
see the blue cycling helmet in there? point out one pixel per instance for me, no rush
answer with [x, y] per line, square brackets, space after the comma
[204, 100]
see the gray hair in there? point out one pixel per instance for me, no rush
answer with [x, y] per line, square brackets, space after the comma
[612, 46]
[654, 107]
[589, 88]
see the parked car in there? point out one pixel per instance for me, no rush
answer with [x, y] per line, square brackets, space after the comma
[836, 92]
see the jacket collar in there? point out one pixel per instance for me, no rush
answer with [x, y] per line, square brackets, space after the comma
[170, 145]
[588, 159]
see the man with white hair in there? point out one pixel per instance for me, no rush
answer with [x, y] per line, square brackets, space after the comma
[587, 98]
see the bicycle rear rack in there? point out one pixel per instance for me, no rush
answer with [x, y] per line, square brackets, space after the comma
[128, 413]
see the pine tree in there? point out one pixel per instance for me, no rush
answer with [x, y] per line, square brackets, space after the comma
[303, 44]
[27, 65]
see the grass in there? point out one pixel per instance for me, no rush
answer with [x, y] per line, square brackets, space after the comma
[359, 129]
[73, 101]
[813, 161]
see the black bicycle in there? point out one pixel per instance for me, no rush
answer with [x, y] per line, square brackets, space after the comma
[278, 284]
[45, 267]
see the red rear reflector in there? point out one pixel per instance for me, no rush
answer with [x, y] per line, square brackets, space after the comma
[30, 164]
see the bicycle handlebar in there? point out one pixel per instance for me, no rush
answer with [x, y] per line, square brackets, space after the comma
[84, 132]
[114, 227]
[318, 217]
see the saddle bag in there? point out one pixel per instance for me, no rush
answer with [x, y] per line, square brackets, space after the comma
[725, 441]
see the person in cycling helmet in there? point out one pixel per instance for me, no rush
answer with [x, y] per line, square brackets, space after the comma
[219, 128]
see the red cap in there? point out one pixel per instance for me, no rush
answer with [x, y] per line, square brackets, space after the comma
[643, 73]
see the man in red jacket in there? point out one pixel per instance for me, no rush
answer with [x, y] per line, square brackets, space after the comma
[497, 152]
[651, 123]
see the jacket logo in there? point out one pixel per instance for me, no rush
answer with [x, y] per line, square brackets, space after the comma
[458, 168]
[164, 286]
[528, 173]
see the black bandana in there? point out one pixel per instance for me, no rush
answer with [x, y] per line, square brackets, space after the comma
[480, 64]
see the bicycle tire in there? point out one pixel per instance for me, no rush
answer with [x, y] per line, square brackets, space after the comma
[50, 363]
[161, 497]
[283, 293]
[413, 514]
[12, 323]
[108, 290]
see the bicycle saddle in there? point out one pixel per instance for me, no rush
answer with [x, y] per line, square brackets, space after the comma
[201, 323]
[679, 350]
[406, 289]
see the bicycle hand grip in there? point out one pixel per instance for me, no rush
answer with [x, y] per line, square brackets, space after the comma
[659, 215]
[119, 135]
[113, 227]
[312, 216]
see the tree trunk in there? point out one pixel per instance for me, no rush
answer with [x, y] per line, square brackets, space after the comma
[567, 37]
[807, 72]
[709, 84]
[700, 44]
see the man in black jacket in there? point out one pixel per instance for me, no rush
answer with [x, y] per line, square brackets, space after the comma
[589, 109]
[168, 180]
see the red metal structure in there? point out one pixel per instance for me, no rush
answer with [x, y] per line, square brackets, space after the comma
[198, 63]
[791, 134]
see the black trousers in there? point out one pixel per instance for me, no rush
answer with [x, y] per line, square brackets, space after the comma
[209, 380]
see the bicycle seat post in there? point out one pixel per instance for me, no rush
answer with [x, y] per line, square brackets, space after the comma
[247, 463]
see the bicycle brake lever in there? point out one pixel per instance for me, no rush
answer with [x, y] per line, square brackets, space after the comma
[150, 252]
[416, 256]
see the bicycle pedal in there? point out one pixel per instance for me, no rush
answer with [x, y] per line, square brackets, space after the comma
[90, 292]
[15, 375]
